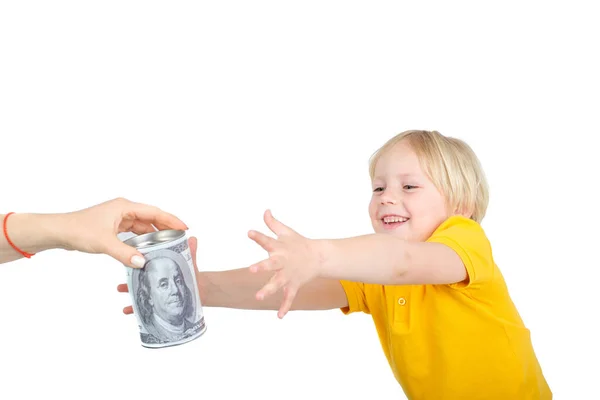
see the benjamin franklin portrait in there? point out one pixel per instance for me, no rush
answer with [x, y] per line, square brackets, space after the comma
[165, 303]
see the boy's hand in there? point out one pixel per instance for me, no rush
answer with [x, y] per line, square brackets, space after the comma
[294, 259]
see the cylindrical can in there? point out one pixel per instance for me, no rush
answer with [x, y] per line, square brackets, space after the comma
[164, 293]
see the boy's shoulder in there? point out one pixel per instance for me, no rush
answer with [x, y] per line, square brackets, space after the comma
[460, 232]
[458, 223]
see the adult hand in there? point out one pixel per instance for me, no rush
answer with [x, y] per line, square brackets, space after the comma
[95, 229]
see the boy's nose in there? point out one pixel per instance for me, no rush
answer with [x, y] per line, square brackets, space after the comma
[387, 199]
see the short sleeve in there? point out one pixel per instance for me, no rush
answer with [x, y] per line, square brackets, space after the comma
[468, 240]
[355, 293]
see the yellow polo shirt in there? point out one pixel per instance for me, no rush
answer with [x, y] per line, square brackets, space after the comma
[460, 341]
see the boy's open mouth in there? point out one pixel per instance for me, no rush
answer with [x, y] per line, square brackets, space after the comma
[392, 221]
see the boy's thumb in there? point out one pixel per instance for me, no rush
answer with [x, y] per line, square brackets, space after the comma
[125, 254]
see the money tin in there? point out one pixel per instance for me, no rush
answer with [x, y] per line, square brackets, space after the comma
[164, 293]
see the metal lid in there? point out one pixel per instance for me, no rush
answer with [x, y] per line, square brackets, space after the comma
[154, 238]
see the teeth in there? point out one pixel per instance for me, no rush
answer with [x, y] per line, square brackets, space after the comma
[389, 220]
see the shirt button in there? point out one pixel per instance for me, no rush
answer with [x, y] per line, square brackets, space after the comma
[402, 301]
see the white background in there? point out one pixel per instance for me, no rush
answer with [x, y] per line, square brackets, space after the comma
[216, 111]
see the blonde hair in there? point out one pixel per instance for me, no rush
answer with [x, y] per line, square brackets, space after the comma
[451, 165]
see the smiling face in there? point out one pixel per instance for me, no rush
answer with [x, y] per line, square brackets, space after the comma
[405, 201]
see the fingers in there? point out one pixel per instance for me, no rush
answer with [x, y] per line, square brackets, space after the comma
[193, 242]
[277, 282]
[266, 242]
[140, 227]
[274, 225]
[288, 299]
[162, 227]
[125, 254]
[157, 217]
[265, 265]
[122, 288]
[274, 284]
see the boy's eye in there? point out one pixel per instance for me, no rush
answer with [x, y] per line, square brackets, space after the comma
[378, 189]
[409, 187]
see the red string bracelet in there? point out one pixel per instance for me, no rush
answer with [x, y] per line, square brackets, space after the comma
[24, 253]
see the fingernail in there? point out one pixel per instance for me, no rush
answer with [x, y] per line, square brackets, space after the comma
[138, 261]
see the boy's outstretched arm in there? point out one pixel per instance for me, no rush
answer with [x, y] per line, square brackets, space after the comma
[237, 289]
[376, 258]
